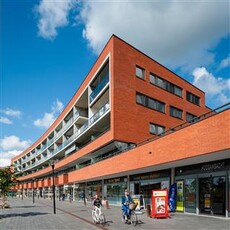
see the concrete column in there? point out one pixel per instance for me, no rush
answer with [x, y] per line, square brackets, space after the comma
[172, 178]
[128, 182]
[197, 195]
[102, 189]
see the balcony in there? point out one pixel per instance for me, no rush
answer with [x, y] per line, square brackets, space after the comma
[99, 87]
[72, 138]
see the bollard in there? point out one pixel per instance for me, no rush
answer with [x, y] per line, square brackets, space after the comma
[148, 210]
[107, 204]
[84, 201]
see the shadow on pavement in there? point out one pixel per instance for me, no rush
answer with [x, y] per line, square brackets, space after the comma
[28, 206]
[22, 214]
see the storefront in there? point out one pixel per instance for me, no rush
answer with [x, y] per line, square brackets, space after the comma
[204, 188]
[92, 188]
[79, 191]
[114, 189]
[146, 182]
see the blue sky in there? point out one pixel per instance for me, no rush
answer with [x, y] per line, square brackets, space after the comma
[48, 47]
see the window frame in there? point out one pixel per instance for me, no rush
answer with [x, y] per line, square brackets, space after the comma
[193, 119]
[158, 104]
[166, 85]
[172, 108]
[142, 72]
[157, 127]
[192, 98]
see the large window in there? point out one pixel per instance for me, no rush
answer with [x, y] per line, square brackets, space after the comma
[190, 195]
[191, 118]
[156, 129]
[174, 112]
[150, 102]
[193, 98]
[140, 72]
[165, 85]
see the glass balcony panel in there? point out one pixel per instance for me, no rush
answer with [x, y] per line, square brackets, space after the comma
[99, 87]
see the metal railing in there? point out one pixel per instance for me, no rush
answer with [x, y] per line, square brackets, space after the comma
[85, 126]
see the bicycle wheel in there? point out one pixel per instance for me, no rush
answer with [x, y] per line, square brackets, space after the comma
[94, 217]
[133, 218]
[102, 219]
[122, 217]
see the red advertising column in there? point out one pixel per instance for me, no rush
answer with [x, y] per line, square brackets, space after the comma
[160, 203]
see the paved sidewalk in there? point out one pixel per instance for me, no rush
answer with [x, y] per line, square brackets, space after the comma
[24, 215]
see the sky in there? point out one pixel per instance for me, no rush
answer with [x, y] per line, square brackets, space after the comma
[47, 48]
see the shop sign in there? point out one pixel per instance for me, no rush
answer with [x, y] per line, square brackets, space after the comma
[115, 180]
[93, 183]
[148, 176]
[212, 167]
[160, 203]
[180, 196]
[172, 198]
[139, 200]
[204, 167]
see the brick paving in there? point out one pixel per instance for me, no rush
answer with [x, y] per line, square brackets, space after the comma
[24, 215]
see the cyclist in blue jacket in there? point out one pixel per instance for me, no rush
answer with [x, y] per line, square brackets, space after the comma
[126, 200]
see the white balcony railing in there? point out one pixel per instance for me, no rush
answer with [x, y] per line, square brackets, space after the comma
[72, 138]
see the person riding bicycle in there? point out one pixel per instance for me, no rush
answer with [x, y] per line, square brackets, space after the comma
[126, 199]
[97, 201]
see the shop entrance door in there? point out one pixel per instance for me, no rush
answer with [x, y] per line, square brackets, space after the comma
[212, 195]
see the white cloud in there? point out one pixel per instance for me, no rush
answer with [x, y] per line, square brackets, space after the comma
[13, 143]
[45, 121]
[11, 112]
[4, 162]
[225, 63]
[11, 146]
[50, 117]
[176, 33]
[5, 120]
[217, 89]
[52, 15]
[57, 106]
[5, 157]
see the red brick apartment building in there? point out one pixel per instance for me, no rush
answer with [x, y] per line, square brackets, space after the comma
[134, 123]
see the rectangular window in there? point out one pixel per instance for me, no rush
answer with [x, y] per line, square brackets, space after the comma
[140, 72]
[191, 118]
[150, 102]
[141, 99]
[193, 98]
[156, 129]
[178, 91]
[174, 112]
[160, 82]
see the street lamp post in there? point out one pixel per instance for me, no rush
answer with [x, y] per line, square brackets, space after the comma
[33, 190]
[22, 191]
[52, 163]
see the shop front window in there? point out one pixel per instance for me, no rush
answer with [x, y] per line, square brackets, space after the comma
[190, 195]
[115, 192]
[92, 190]
[146, 190]
[212, 195]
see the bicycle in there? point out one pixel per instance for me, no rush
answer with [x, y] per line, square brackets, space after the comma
[132, 216]
[98, 216]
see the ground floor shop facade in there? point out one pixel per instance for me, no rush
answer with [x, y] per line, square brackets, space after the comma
[204, 188]
[200, 189]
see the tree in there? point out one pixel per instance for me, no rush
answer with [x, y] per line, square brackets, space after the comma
[7, 180]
